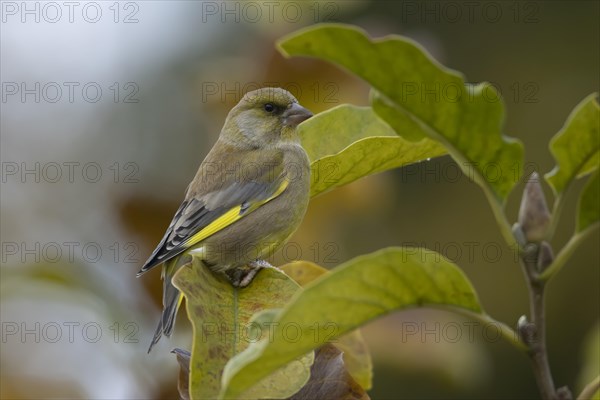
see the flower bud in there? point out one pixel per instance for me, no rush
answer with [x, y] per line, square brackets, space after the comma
[534, 217]
[526, 331]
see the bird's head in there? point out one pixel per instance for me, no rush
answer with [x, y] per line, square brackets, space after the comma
[264, 117]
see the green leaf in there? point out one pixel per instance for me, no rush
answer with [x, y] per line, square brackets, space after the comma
[576, 146]
[348, 142]
[419, 97]
[351, 295]
[589, 203]
[280, 384]
[357, 358]
[220, 315]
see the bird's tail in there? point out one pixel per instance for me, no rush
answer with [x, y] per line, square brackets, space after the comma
[171, 301]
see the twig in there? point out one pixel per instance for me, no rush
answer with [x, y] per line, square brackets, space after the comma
[534, 333]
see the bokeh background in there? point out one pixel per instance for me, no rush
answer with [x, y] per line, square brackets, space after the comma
[108, 108]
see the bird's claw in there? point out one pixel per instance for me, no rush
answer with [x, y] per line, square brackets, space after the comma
[242, 277]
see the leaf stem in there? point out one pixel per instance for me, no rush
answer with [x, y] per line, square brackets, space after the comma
[503, 224]
[566, 252]
[506, 331]
[556, 212]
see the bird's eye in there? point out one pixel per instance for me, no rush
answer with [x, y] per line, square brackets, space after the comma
[269, 108]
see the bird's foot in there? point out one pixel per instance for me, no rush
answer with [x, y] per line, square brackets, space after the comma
[243, 276]
[259, 264]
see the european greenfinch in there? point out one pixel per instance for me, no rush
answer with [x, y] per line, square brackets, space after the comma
[247, 198]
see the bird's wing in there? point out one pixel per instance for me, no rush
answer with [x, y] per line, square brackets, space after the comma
[203, 215]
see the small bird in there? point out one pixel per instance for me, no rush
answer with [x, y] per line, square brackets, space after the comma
[247, 198]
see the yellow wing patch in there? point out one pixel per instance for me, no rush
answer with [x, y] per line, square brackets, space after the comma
[230, 217]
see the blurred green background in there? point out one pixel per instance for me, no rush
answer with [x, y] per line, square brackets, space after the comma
[108, 108]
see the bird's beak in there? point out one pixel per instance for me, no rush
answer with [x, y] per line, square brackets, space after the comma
[295, 114]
